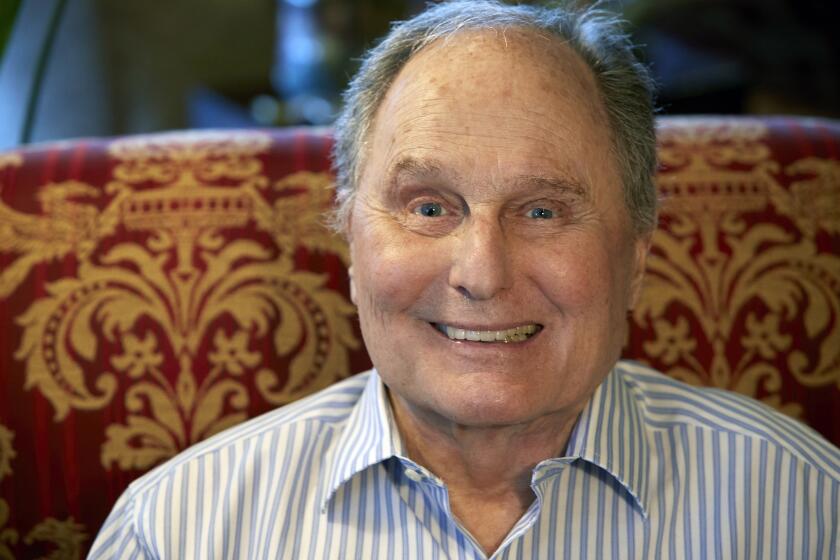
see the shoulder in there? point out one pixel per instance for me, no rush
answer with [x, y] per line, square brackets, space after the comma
[249, 469]
[318, 414]
[667, 403]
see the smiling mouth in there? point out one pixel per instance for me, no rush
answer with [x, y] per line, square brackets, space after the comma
[516, 334]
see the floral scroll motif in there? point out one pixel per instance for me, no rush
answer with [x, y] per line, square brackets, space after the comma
[189, 158]
[10, 159]
[67, 536]
[814, 194]
[764, 338]
[179, 288]
[65, 227]
[8, 536]
[7, 451]
[231, 354]
[740, 290]
[673, 341]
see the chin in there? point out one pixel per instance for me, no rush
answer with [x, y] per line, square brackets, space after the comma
[484, 411]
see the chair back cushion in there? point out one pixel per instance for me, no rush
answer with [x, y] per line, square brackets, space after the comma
[155, 290]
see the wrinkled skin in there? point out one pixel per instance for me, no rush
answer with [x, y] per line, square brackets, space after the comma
[476, 138]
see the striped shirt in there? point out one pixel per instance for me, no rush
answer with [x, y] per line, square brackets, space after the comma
[653, 469]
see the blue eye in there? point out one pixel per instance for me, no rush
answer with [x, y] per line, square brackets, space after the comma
[429, 209]
[541, 213]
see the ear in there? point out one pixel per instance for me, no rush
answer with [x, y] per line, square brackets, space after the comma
[352, 285]
[347, 232]
[641, 247]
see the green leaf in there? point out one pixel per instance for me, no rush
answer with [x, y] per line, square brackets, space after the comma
[8, 13]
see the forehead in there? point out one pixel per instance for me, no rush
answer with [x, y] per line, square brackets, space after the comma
[520, 97]
[522, 61]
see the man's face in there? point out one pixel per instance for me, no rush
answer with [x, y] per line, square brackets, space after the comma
[490, 200]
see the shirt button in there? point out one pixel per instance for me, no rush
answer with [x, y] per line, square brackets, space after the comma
[413, 475]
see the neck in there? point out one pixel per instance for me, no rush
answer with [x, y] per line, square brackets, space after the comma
[487, 469]
[481, 456]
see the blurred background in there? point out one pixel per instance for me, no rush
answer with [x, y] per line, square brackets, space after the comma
[73, 68]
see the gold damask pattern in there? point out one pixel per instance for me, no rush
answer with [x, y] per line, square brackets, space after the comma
[813, 201]
[10, 159]
[717, 279]
[8, 536]
[67, 536]
[178, 285]
[7, 451]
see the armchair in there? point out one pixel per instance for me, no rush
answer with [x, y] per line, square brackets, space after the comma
[155, 290]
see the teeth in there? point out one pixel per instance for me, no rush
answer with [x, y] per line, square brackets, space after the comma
[516, 334]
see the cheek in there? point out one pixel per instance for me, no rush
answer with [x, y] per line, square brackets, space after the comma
[583, 279]
[391, 271]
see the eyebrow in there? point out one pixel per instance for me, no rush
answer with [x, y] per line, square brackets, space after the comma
[414, 167]
[562, 185]
[430, 168]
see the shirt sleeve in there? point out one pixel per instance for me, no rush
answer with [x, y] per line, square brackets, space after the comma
[119, 538]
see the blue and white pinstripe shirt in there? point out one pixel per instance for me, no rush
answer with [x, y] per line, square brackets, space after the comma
[653, 469]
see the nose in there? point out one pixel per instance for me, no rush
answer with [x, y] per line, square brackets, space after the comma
[481, 262]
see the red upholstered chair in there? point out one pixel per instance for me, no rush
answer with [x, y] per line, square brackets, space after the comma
[743, 279]
[155, 290]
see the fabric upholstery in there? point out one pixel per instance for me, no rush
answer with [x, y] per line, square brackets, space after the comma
[157, 289]
[743, 279]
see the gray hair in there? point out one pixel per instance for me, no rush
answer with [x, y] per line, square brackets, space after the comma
[594, 34]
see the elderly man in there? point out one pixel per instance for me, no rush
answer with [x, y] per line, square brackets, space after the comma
[494, 168]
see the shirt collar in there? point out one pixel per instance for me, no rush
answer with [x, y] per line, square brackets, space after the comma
[369, 436]
[609, 433]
